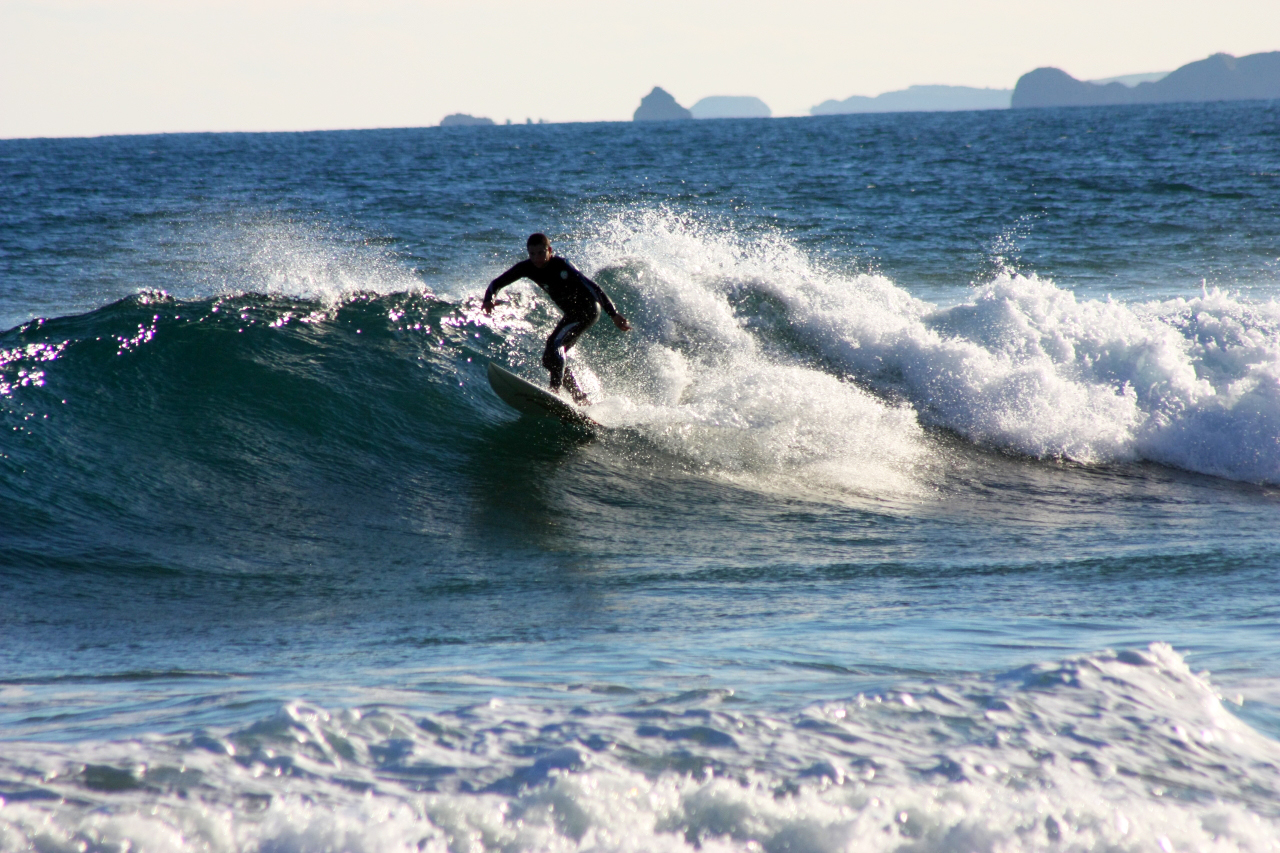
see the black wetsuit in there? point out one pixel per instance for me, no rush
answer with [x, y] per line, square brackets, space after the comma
[577, 296]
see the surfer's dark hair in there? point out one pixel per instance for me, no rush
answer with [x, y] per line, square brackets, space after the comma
[538, 239]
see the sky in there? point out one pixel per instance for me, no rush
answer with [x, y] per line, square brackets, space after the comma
[98, 67]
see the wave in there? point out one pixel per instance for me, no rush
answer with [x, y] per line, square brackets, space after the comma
[751, 362]
[1123, 751]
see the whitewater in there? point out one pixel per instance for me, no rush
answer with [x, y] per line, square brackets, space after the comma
[934, 507]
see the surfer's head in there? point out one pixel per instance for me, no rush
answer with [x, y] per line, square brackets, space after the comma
[539, 246]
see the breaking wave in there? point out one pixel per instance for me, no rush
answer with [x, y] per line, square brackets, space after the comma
[1116, 751]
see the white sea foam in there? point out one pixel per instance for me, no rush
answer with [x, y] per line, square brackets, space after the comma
[749, 331]
[1122, 752]
[708, 387]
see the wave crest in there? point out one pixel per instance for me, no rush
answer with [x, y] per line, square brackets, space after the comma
[1020, 364]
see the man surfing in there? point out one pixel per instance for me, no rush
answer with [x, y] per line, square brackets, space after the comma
[577, 296]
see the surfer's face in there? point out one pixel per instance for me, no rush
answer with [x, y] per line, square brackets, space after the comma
[539, 255]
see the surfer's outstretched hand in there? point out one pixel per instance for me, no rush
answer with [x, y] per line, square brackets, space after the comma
[621, 322]
[487, 305]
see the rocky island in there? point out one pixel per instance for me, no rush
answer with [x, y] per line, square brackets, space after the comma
[659, 105]
[463, 120]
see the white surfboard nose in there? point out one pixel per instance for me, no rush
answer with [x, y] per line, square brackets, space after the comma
[528, 399]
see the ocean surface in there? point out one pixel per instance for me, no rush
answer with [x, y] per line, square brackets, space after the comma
[937, 507]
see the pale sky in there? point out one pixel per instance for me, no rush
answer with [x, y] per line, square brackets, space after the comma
[93, 67]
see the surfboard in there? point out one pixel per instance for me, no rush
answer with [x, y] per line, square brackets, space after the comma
[529, 399]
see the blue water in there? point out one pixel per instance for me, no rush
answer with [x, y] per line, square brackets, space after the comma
[935, 507]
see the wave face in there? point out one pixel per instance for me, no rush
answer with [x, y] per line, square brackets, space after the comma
[1127, 751]
[152, 415]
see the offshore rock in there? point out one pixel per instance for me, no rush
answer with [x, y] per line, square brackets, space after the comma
[659, 105]
[1221, 77]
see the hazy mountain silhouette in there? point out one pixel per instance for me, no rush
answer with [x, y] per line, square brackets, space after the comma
[1221, 77]
[919, 99]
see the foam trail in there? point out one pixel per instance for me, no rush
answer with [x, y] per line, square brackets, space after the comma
[1021, 365]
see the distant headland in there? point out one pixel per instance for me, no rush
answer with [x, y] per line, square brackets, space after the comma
[1221, 77]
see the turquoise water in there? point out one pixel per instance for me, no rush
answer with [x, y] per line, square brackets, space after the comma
[935, 510]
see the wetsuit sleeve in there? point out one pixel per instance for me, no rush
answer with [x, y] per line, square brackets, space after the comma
[596, 290]
[516, 273]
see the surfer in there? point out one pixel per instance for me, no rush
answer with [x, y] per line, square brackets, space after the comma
[577, 296]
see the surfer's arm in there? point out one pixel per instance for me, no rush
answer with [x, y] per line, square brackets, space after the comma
[603, 298]
[516, 273]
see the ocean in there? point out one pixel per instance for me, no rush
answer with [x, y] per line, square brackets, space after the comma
[935, 510]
